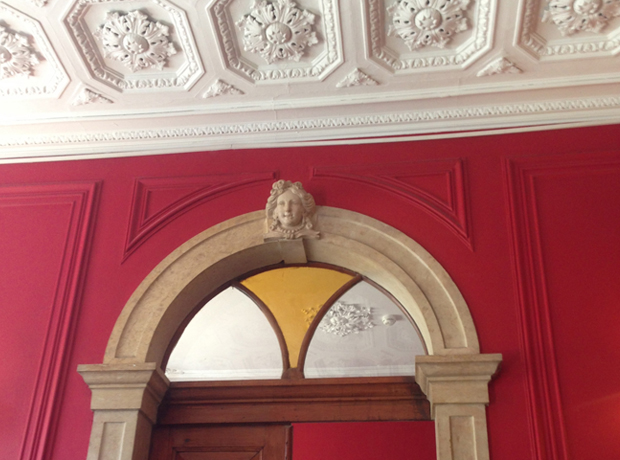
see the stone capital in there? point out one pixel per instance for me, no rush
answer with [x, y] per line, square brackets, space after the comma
[126, 387]
[456, 379]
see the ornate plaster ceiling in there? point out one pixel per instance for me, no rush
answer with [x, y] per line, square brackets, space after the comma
[119, 77]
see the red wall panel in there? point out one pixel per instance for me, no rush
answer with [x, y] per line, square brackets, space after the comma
[364, 441]
[44, 236]
[498, 212]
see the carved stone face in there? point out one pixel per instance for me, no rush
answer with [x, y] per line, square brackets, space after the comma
[289, 210]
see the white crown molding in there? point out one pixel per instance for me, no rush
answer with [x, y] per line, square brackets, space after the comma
[114, 142]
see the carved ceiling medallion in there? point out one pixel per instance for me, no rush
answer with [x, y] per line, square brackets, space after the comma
[572, 16]
[135, 41]
[343, 319]
[16, 58]
[277, 30]
[423, 23]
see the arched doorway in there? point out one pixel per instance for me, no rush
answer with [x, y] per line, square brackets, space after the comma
[128, 387]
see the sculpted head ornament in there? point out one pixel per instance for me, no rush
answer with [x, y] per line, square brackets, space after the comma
[289, 212]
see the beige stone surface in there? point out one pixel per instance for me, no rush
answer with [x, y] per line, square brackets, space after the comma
[128, 387]
[350, 240]
[125, 399]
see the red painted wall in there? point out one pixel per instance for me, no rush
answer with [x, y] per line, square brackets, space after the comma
[364, 441]
[527, 225]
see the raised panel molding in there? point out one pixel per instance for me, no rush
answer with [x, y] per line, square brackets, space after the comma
[52, 369]
[537, 342]
[175, 196]
[418, 182]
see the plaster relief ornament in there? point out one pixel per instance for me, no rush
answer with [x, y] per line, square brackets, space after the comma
[220, 88]
[343, 319]
[135, 41]
[290, 210]
[423, 23]
[499, 66]
[357, 78]
[277, 30]
[88, 96]
[572, 16]
[16, 57]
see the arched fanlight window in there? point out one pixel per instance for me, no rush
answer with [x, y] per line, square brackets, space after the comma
[294, 322]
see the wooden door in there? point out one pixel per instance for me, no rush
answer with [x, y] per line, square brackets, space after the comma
[224, 442]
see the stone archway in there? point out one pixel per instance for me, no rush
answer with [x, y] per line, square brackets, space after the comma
[129, 385]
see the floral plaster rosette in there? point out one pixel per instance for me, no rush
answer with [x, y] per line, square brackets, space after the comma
[423, 23]
[571, 16]
[277, 30]
[16, 58]
[135, 41]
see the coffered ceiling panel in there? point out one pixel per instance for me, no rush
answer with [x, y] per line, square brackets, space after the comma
[85, 78]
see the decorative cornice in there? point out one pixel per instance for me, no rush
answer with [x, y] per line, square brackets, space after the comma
[572, 16]
[459, 57]
[277, 30]
[88, 96]
[295, 126]
[499, 66]
[356, 78]
[221, 88]
[423, 23]
[39, 3]
[135, 40]
[317, 69]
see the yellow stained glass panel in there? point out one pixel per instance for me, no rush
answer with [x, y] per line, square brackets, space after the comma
[295, 295]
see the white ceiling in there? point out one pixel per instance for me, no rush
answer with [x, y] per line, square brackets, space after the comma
[192, 75]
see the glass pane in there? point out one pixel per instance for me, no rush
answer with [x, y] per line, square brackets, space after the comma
[363, 334]
[228, 339]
